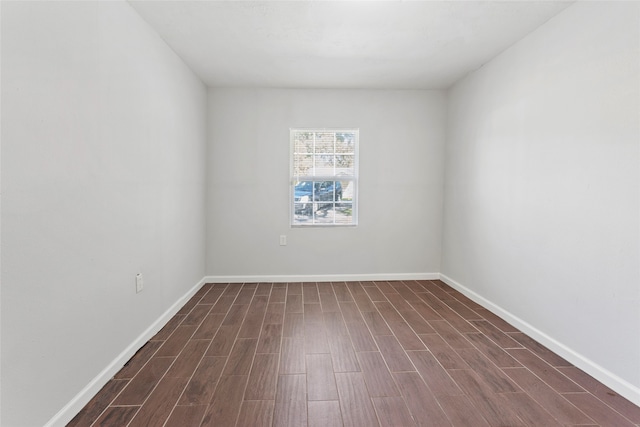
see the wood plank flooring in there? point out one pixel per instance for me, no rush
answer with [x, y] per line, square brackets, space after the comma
[403, 353]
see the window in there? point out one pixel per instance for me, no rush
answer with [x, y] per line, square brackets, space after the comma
[324, 177]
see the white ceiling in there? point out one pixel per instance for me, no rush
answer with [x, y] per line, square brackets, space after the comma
[341, 44]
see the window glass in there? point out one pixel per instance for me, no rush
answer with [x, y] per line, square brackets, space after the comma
[324, 176]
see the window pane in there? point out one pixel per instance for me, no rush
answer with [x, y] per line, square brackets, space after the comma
[344, 213]
[345, 164]
[345, 142]
[327, 160]
[324, 164]
[303, 164]
[324, 214]
[303, 142]
[324, 142]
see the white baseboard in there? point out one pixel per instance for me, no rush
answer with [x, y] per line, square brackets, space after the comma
[76, 404]
[619, 385]
[321, 278]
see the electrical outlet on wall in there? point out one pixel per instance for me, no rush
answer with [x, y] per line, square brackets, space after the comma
[139, 283]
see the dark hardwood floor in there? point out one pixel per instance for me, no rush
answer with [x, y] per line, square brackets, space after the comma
[348, 354]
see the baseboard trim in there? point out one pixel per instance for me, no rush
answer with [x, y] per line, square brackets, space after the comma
[76, 404]
[321, 278]
[619, 385]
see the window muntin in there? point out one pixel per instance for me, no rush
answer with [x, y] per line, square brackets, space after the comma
[324, 172]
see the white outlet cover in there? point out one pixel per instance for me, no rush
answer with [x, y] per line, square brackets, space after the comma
[139, 283]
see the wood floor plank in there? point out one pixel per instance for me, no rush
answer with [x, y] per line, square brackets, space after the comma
[278, 295]
[291, 402]
[222, 342]
[186, 416]
[425, 311]
[436, 378]
[457, 321]
[406, 336]
[350, 312]
[222, 305]
[529, 411]
[244, 296]
[188, 359]
[376, 375]
[294, 288]
[392, 412]
[293, 304]
[554, 403]
[270, 339]
[200, 388]
[329, 302]
[355, 403]
[420, 400]
[376, 323]
[139, 388]
[292, 356]
[209, 326]
[166, 331]
[241, 357]
[342, 292]
[197, 315]
[604, 393]
[315, 336]
[98, 403]
[343, 355]
[116, 416]
[310, 293]
[226, 403]
[539, 350]
[324, 413]
[321, 384]
[361, 337]
[399, 302]
[176, 342]
[443, 352]
[334, 324]
[142, 356]
[405, 291]
[361, 297]
[393, 354]
[235, 315]
[452, 337]
[492, 351]
[496, 335]
[157, 408]
[597, 410]
[274, 314]
[492, 376]
[263, 289]
[256, 413]
[492, 406]
[232, 290]
[264, 377]
[461, 411]
[375, 294]
[417, 323]
[293, 325]
[547, 373]
[255, 315]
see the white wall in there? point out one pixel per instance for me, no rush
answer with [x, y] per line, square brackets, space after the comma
[400, 192]
[103, 150]
[542, 187]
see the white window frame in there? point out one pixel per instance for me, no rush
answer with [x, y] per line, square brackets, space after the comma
[316, 178]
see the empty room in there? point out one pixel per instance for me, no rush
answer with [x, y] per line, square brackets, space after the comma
[320, 213]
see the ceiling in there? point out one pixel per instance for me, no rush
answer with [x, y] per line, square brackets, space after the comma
[341, 44]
